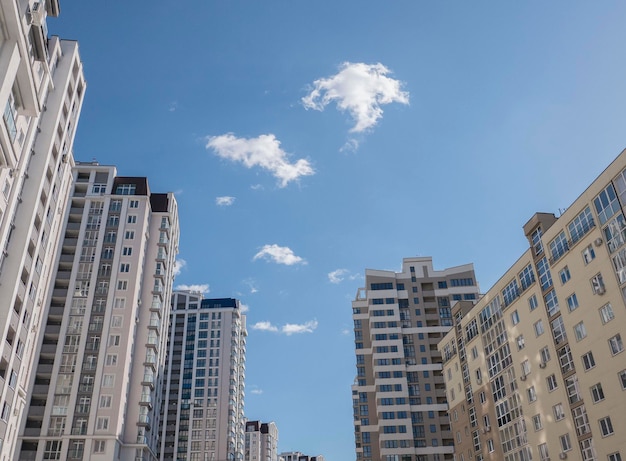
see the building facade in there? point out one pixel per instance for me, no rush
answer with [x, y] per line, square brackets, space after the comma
[41, 94]
[400, 408]
[537, 369]
[203, 396]
[261, 441]
[95, 391]
[298, 456]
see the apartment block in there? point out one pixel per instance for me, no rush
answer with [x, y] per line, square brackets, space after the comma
[41, 93]
[399, 399]
[261, 441]
[203, 396]
[95, 390]
[536, 369]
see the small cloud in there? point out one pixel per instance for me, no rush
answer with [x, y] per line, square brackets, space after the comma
[256, 187]
[243, 307]
[294, 328]
[264, 152]
[200, 288]
[287, 329]
[339, 275]
[251, 284]
[351, 145]
[173, 106]
[224, 201]
[346, 332]
[360, 89]
[178, 192]
[280, 255]
[179, 264]
[264, 326]
[256, 391]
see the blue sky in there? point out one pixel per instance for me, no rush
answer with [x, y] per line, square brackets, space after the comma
[348, 135]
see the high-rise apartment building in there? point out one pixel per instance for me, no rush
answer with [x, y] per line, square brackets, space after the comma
[203, 396]
[95, 392]
[41, 95]
[400, 408]
[261, 441]
[536, 369]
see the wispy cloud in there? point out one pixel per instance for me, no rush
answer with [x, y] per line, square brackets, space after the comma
[173, 106]
[287, 329]
[179, 264]
[264, 326]
[224, 201]
[256, 187]
[254, 390]
[199, 288]
[264, 152]
[243, 307]
[280, 255]
[339, 275]
[360, 89]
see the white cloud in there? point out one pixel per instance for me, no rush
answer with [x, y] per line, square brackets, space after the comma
[224, 201]
[280, 255]
[264, 326]
[198, 288]
[339, 275]
[360, 89]
[256, 391]
[256, 187]
[179, 264]
[243, 307]
[346, 332]
[264, 152]
[173, 106]
[351, 145]
[288, 328]
[294, 328]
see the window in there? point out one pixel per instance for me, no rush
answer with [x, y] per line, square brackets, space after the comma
[538, 328]
[124, 267]
[580, 225]
[129, 235]
[532, 303]
[544, 353]
[580, 331]
[543, 452]
[559, 414]
[532, 394]
[6, 411]
[537, 424]
[588, 254]
[614, 457]
[566, 443]
[572, 302]
[111, 360]
[520, 342]
[622, 378]
[536, 239]
[606, 204]
[119, 303]
[133, 203]
[597, 394]
[132, 219]
[127, 251]
[527, 277]
[125, 189]
[515, 317]
[587, 450]
[606, 313]
[116, 321]
[558, 246]
[122, 284]
[525, 368]
[552, 383]
[564, 275]
[558, 330]
[552, 303]
[615, 344]
[606, 427]
[102, 423]
[99, 446]
[106, 401]
[588, 361]
[114, 340]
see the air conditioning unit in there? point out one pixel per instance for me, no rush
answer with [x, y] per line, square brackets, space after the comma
[523, 377]
[562, 455]
[597, 242]
[542, 365]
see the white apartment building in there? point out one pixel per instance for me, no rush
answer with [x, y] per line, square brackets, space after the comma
[399, 398]
[261, 441]
[95, 393]
[203, 395]
[298, 456]
[41, 94]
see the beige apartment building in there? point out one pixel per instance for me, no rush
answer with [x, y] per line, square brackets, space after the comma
[536, 369]
[261, 441]
[95, 393]
[399, 399]
[41, 95]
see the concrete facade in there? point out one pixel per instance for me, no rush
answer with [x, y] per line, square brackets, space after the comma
[537, 369]
[399, 401]
[261, 441]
